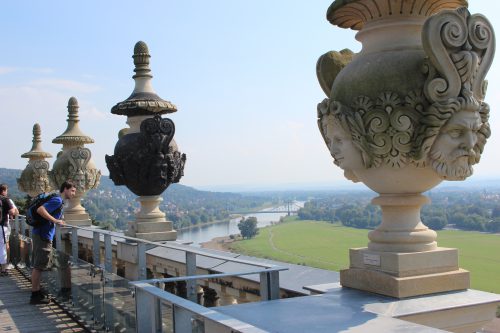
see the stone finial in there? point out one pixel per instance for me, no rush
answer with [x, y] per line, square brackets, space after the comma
[143, 101]
[36, 150]
[141, 60]
[73, 134]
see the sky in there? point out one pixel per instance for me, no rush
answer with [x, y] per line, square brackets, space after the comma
[241, 73]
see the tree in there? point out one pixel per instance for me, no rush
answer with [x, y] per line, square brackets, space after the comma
[248, 227]
[436, 222]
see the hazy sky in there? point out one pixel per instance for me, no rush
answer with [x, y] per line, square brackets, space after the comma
[242, 74]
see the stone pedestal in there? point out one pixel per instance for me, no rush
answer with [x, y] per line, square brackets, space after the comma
[75, 213]
[405, 275]
[402, 259]
[151, 223]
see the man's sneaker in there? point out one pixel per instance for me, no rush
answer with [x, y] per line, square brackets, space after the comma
[10, 266]
[39, 298]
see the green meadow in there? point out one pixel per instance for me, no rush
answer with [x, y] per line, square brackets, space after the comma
[325, 245]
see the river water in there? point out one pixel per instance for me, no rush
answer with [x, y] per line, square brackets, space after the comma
[205, 233]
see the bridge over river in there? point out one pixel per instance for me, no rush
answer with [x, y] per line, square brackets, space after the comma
[289, 208]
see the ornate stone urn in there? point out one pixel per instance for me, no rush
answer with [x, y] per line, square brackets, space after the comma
[35, 178]
[402, 115]
[146, 158]
[75, 163]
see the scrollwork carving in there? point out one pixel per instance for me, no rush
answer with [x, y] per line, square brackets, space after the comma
[461, 54]
[35, 179]
[77, 169]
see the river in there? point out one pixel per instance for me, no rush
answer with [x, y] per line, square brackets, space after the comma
[205, 233]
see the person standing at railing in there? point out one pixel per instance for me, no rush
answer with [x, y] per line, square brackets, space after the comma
[8, 209]
[51, 213]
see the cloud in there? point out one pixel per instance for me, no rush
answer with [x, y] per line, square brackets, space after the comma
[6, 70]
[42, 70]
[93, 113]
[74, 87]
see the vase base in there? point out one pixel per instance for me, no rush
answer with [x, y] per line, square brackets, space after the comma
[404, 275]
[79, 219]
[403, 264]
[152, 231]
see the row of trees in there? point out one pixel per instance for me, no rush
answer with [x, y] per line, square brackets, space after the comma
[469, 210]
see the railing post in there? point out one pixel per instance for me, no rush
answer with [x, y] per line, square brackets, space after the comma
[74, 244]
[182, 319]
[269, 285]
[74, 254]
[96, 249]
[158, 317]
[59, 246]
[146, 312]
[108, 254]
[108, 283]
[141, 261]
[14, 252]
[190, 271]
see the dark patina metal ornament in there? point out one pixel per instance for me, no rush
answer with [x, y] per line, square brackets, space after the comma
[147, 162]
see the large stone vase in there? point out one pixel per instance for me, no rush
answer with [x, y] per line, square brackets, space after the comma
[35, 177]
[402, 115]
[74, 162]
[146, 157]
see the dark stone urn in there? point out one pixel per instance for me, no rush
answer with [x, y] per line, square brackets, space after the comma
[146, 158]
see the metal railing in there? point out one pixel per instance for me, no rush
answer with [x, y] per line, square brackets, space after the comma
[187, 315]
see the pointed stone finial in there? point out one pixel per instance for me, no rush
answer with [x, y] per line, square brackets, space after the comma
[73, 135]
[143, 101]
[141, 60]
[36, 150]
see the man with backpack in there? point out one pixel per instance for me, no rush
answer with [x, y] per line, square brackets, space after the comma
[7, 208]
[46, 217]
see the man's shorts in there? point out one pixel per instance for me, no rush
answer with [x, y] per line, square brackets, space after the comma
[42, 253]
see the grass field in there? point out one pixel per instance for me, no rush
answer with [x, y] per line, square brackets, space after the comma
[325, 245]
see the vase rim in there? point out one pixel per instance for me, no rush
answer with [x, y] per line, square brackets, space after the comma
[353, 14]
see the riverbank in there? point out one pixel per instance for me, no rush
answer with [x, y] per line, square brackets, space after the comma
[218, 243]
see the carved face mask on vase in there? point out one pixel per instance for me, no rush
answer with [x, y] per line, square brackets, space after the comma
[452, 154]
[341, 146]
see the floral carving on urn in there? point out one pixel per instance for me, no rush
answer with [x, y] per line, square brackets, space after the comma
[408, 110]
[74, 162]
[35, 177]
[146, 158]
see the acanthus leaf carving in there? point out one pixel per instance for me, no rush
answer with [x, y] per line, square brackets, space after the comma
[383, 130]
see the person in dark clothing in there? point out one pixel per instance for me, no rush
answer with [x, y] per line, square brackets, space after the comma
[51, 212]
[7, 209]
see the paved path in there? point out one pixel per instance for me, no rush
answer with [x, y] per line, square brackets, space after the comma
[17, 315]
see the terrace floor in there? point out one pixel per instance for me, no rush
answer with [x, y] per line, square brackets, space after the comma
[17, 315]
